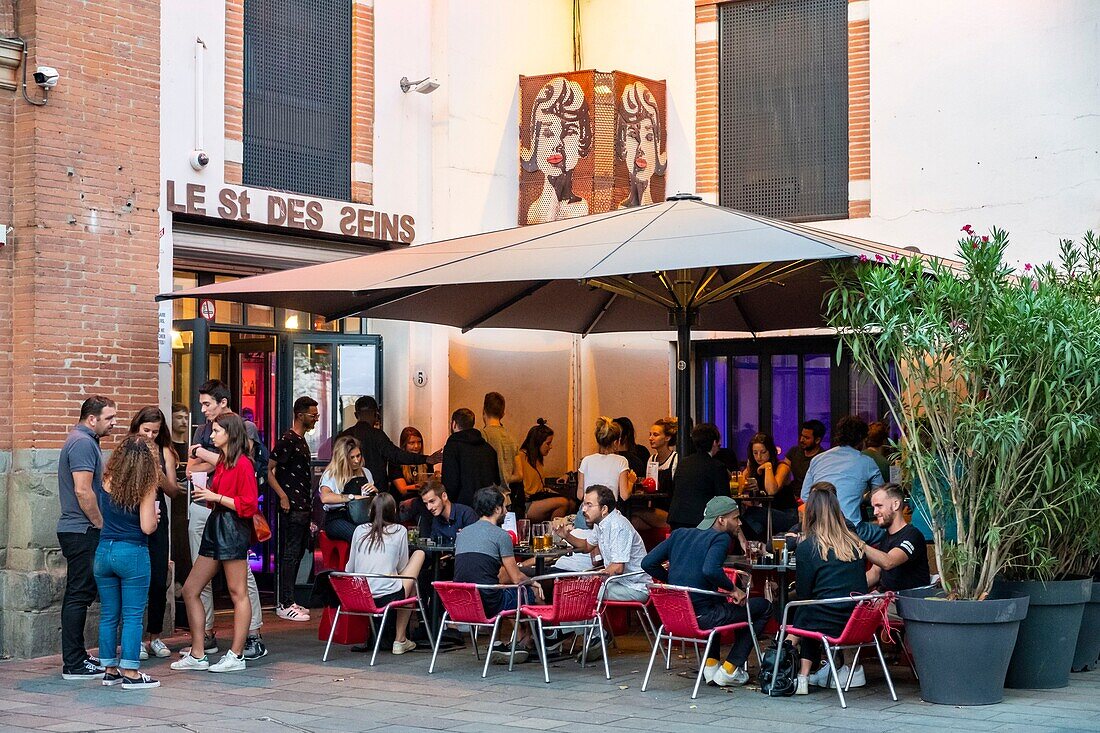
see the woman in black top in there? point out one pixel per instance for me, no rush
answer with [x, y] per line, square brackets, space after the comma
[830, 565]
[151, 425]
[636, 455]
[772, 477]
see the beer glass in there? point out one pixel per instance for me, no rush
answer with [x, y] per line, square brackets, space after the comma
[778, 543]
[523, 530]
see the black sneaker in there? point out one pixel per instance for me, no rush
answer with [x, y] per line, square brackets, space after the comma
[502, 652]
[89, 670]
[254, 647]
[110, 679]
[141, 682]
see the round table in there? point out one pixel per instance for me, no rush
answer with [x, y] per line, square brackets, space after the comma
[526, 553]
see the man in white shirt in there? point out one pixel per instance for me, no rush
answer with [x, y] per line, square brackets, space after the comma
[620, 545]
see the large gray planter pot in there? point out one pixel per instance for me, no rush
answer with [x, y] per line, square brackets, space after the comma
[1087, 655]
[961, 649]
[1048, 636]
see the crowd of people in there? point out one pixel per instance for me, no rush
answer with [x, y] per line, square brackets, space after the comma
[113, 529]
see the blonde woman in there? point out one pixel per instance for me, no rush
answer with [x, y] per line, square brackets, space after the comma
[605, 467]
[345, 480]
[830, 565]
[128, 504]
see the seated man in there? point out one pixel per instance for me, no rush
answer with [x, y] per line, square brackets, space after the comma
[483, 555]
[441, 518]
[695, 558]
[901, 560]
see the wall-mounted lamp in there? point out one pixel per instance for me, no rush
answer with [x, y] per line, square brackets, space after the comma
[292, 322]
[427, 85]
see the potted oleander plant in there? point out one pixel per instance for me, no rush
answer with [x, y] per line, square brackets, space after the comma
[992, 377]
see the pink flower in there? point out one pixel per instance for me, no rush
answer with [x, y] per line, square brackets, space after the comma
[895, 256]
[1035, 285]
[863, 258]
[878, 258]
[973, 245]
[968, 229]
[1027, 267]
[985, 240]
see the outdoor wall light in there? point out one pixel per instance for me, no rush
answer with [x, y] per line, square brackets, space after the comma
[292, 322]
[427, 85]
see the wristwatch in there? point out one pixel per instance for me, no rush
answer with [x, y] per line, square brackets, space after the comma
[194, 451]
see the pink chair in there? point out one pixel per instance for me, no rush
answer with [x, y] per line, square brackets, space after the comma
[574, 606]
[679, 623]
[640, 608]
[356, 599]
[862, 628]
[462, 604]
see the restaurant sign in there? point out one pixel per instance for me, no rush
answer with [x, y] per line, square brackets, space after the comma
[275, 208]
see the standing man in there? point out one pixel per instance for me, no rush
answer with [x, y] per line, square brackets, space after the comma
[850, 471]
[699, 478]
[202, 456]
[496, 435]
[79, 482]
[376, 446]
[469, 462]
[695, 558]
[290, 475]
[809, 445]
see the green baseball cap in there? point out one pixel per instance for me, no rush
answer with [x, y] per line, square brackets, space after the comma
[717, 507]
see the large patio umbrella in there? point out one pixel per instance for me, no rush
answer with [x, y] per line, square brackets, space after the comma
[676, 264]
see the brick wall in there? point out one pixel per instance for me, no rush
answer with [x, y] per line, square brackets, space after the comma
[234, 89]
[85, 179]
[859, 104]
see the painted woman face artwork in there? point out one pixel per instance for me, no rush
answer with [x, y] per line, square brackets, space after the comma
[561, 134]
[640, 142]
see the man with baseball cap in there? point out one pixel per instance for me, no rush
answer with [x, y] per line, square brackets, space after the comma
[695, 558]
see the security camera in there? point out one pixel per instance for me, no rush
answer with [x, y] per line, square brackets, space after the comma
[199, 159]
[427, 85]
[46, 77]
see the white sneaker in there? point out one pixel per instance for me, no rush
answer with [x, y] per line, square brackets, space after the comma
[858, 679]
[290, 613]
[143, 655]
[229, 663]
[400, 647]
[739, 676]
[301, 609]
[822, 677]
[187, 662]
[802, 685]
[710, 667]
[159, 648]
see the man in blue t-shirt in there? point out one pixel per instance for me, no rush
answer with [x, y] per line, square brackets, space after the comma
[79, 481]
[695, 559]
[851, 472]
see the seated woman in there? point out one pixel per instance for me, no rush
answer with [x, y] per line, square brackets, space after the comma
[829, 565]
[542, 504]
[345, 480]
[773, 477]
[605, 467]
[382, 548]
[407, 481]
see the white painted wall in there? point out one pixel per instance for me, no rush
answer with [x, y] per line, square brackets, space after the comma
[984, 113]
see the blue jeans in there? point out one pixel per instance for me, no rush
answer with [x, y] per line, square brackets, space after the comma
[122, 576]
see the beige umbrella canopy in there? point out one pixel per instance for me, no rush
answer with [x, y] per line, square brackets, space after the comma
[675, 264]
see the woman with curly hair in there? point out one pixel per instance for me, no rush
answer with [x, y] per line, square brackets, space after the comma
[129, 509]
[232, 497]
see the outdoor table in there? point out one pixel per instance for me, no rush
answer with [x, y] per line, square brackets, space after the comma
[764, 499]
[643, 498]
[435, 553]
[542, 556]
[743, 563]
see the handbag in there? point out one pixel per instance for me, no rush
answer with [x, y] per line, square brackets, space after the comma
[261, 530]
[784, 683]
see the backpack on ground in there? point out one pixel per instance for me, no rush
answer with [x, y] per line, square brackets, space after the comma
[783, 683]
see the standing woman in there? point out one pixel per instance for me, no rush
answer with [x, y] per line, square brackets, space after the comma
[605, 467]
[542, 504]
[129, 508]
[232, 497]
[662, 464]
[150, 424]
[344, 481]
[830, 565]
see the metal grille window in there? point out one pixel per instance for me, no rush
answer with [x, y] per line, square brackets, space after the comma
[783, 108]
[297, 96]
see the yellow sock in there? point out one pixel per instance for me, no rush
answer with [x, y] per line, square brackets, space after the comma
[711, 662]
[727, 667]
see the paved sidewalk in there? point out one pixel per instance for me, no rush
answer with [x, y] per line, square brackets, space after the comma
[291, 690]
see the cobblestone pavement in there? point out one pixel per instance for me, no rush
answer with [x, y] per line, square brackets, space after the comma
[291, 690]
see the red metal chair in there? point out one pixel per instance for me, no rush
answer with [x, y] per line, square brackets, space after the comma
[641, 608]
[333, 555]
[574, 606]
[356, 599]
[462, 604]
[679, 623]
[862, 628]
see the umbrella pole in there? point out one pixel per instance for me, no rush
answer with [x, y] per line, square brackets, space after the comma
[684, 320]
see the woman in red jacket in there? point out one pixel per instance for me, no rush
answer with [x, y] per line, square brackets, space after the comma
[232, 497]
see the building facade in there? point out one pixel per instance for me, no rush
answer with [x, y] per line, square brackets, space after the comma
[192, 142]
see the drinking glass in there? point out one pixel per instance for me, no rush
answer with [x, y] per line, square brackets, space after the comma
[778, 543]
[523, 529]
[414, 535]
